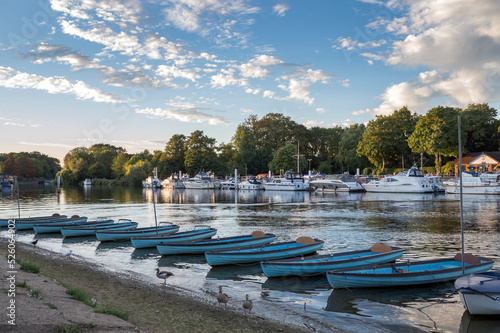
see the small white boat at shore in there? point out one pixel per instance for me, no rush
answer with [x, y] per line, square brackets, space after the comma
[480, 292]
[87, 182]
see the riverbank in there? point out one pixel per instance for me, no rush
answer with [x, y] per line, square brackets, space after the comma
[149, 308]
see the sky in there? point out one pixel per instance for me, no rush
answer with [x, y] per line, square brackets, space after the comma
[133, 73]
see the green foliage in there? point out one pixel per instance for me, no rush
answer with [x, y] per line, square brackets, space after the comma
[200, 153]
[325, 167]
[118, 313]
[449, 167]
[29, 165]
[28, 266]
[347, 157]
[80, 295]
[284, 160]
[138, 172]
[172, 159]
[480, 128]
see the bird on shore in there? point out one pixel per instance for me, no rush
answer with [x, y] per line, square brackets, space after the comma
[34, 242]
[163, 275]
[69, 253]
[222, 298]
[247, 305]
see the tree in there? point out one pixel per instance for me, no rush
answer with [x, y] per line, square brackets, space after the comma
[480, 128]
[200, 153]
[385, 138]
[347, 157]
[118, 165]
[137, 172]
[172, 159]
[284, 159]
[436, 133]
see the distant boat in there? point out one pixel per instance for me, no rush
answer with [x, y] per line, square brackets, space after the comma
[407, 181]
[201, 181]
[87, 182]
[202, 246]
[152, 181]
[251, 184]
[436, 183]
[318, 264]
[408, 273]
[173, 181]
[198, 232]
[229, 184]
[480, 292]
[114, 235]
[472, 183]
[248, 254]
[337, 183]
[292, 181]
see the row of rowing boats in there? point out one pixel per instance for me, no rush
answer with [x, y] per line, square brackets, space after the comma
[373, 267]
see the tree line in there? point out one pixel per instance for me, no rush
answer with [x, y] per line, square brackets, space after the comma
[29, 165]
[274, 141]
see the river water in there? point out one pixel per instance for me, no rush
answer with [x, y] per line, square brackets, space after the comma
[425, 225]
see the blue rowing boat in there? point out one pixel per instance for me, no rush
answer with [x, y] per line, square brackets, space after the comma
[408, 273]
[5, 222]
[113, 235]
[318, 264]
[302, 245]
[256, 238]
[198, 232]
[56, 227]
[27, 225]
[122, 224]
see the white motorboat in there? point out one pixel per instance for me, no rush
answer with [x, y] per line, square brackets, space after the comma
[407, 181]
[337, 183]
[173, 181]
[480, 292]
[251, 184]
[200, 181]
[293, 181]
[436, 183]
[472, 183]
[87, 182]
[152, 181]
[229, 184]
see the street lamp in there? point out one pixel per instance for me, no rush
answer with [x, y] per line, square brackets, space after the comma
[309, 160]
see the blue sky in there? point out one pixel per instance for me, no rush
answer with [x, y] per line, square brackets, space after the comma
[133, 73]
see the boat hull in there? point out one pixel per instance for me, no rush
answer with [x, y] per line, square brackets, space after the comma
[485, 189]
[112, 235]
[56, 227]
[400, 188]
[5, 222]
[321, 263]
[259, 253]
[480, 293]
[213, 245]
[152, 241]
[416, 273]
[90, 231]
[28, 225]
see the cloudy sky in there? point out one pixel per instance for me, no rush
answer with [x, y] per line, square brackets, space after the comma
[133, 73]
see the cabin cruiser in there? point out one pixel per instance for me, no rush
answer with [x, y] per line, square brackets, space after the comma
[201, 181]
[251, 184]
[173, 181]
[229, 184]
[407, 181]
[473, 183]
[337, 183]
[87, 182]
[152, 181]
[436, 183]
[292, 181]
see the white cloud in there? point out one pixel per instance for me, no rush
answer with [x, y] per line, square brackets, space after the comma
[226, 78]
[172, 71]
[250, 70]
[184, 112]
[265, 60]
[300, 81]
[280, 9]
[11, 78]
[268, 94]
[252, 91]
[320, 110]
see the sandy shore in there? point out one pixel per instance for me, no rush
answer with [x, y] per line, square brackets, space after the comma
[150, 308]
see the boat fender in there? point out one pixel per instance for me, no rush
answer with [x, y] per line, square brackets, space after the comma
[381, 247]
[258, 234]
[305, 240]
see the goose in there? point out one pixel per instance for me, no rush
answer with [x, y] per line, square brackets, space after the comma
[247, 305]
[163, 275]
[222, 298]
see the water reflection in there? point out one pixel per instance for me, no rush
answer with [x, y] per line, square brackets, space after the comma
[297, 285]
[235, 273]
[479, 324]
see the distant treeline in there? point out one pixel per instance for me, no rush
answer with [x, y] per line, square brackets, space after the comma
[273, 142]
[29, 165]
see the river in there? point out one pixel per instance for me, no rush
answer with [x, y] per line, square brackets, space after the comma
[425, 225]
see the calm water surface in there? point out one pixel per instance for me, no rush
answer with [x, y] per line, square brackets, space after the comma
[427, 226]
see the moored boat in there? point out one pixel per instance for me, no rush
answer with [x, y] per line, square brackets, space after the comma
[408, 273]
[5, 222]
[113, 235]
[256, 238]
[472, 183]
[480, 292]
[27, 225]
[407, 181]
[56, 227]
[318, 264]
[251, 184]
[293, 181]
[198, 232]
[76, 231]
[248, 254]
[337, 183]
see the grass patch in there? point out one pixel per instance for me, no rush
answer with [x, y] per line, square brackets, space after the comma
[74, 328]
[50, 305]
[27, 266]
[22, 284]
[35, 293]
[80, 295]
[118, 313]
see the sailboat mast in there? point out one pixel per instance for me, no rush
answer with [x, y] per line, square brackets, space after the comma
[461, 194]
